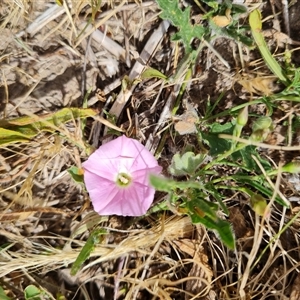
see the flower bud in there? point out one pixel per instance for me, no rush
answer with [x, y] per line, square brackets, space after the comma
[262, 123]
[258, 204]
[259, 135]
[242, 117]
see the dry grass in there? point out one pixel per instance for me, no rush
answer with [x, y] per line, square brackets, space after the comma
[50, 62]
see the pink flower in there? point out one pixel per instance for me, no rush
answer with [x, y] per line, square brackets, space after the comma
[117, 177]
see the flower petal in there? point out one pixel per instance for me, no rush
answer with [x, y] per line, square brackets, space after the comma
[101, 190]
[122, 155]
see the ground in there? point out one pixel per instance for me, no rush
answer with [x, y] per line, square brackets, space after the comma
[73, 54]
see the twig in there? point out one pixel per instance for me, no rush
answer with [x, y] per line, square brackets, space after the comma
[103, 40]
[258, 235]
[285, 13]
[138, 67]
[262, 145]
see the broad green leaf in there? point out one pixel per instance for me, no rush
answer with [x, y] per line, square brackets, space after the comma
[176, 168]
[216, 144]
[225, 232]
[162, 184]
[95, 237]
[31, 292]
[187, 164]
[3, 295]
[244, 157]
[238, 8]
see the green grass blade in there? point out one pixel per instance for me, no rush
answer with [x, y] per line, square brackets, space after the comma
[3, 295]
[23, 129]
[92, 241]
[256, 26]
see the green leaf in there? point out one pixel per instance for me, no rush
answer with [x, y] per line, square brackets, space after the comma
[268, 192]
[291, 167]
[216, 144]
[244, 157]
[225, 231]
[3, 295]
[223, 228]
[168, 185]
[162, 184]
[203, 207]
[256, 29]
[94, 238]
[212, 3]
[9, 136]
[77, 174]
[181, 19]
[211, 190]
[238, 9]
[187, 164]
[31, 292]
[151, 73]
[25, 128]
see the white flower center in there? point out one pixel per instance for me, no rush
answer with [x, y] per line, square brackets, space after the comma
[123, 180]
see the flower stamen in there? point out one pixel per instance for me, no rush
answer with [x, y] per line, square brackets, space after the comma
[123, 180]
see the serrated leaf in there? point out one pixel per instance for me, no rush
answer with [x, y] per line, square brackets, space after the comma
[181, 19]
[176, 167]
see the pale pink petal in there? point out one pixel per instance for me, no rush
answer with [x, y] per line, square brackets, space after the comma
[132, 201]
[122, 155]
[142, 177]
[102, 191]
